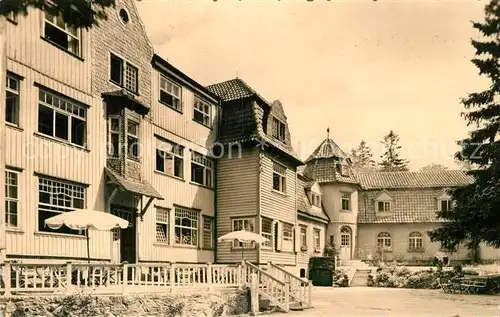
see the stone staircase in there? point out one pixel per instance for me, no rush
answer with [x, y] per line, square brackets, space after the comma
[360, 277]
[353, 263]
[357, 271]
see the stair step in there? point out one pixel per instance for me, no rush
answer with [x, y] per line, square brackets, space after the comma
[296, 306]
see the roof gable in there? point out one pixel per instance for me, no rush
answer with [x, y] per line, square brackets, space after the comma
[234, 89]
[384, 196]
[315, 188]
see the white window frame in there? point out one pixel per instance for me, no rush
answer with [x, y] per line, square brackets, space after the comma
[17, 94]
[279, 170]
[384, 241]
[208, 232]
[387, 206]
[178, 97]
[112, 132]
[63, 104]
[162, 218]
[449, 203]
[346, 197]
[267, 234]
[415, 241]
[125, 69]
[199, 107]
[303, 238]
[193, 216]
[11, 180]
[278, 133]
[208, 168]
[174, 152]
[77, 36]
[317, 239]
[136, 136]
[288, 236]
[246, 223]
[60, 191]
[316, 200]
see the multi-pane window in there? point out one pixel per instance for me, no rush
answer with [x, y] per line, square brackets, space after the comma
[279, 177]
[12, 100]
[124, 74]
[384, 240]
[316, 199]
[346, 201]
[11, 198]
[383, 206]
[202, 112]
[114, 136]
[162, 222]
[55, 197]
[133, 139]
[317, 239]
[170, 94]
[279, 129]
[267, 232]
[446, 205]
[61, 34]
[61, 118]
[288, 235]
[208, 232]
[170, 158]
[303, 238]
[201, 169]
[415, 241]
[247, 224]
[186, 226]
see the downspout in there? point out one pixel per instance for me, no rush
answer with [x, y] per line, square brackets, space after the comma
[259, 173]
[3, 71]
[296, 222]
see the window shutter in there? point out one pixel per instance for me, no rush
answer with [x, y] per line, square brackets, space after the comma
[279, 236]
[296, 246]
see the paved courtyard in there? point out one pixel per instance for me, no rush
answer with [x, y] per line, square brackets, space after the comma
[368, 301]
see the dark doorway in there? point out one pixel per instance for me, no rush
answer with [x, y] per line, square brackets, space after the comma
[127, 236]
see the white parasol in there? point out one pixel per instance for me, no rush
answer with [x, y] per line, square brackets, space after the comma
[243, 236]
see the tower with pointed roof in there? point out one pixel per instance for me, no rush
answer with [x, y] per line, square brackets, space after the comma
[330, 167]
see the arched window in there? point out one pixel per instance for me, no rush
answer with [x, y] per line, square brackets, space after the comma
[415, 241]
[302, 273]
[384, 240]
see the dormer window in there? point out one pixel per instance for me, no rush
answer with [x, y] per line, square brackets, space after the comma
[316, 200]
[383, 206]
[279, 129]
[445, 204]
[343, 170]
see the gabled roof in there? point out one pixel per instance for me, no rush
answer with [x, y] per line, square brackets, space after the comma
[394, 180]
[327, 149]
[142, 188]
[127, 99]
[303, 204]
[234, 89]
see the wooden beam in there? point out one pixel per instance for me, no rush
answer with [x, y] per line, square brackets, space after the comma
[143, 211]
[111, 197]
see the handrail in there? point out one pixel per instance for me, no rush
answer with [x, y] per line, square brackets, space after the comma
[262, 272]
[289, 274]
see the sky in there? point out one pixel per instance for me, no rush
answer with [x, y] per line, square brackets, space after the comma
[360, 67]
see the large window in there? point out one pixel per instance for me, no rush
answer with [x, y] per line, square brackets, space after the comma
[186, 226]
[303, 238]
[61, 118]
[279, 129]
[384, 240]
[383, 206]
[114, 136]
[124, 74]
[415, 241]
[162, 221]
[317, 240]
[279, 177]
[247, 224]
[208, 232]
[202, 112]
[170, 94]
[12, 100]
[267, 232]
[61, 34]
[346, 201]
[170, 158]
[288, 237]
[11, 199]
[133, 139]
[201, 169]
[55, 197]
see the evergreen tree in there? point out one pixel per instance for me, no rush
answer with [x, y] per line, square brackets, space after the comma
[433, 168]
[76, 13]
[391, 160]
[476, 215]
[361, 158]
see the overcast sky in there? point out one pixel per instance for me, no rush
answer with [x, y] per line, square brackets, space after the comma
[358, 67]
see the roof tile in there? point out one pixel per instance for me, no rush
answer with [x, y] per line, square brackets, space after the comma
[387, 180]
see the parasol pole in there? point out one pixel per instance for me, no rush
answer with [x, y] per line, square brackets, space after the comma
[88, 244]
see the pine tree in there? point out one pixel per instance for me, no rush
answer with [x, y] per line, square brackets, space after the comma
[361, 158]
[391, 160]
[476, 215]
[76, 13]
